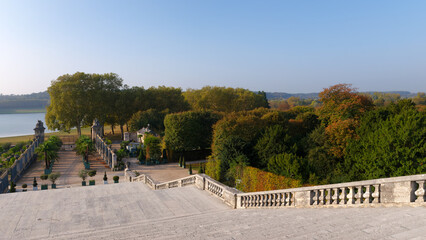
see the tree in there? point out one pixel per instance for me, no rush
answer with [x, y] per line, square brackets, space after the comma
[84, 147]
[78, 99]
[153, 147]
[225, 99]
[286, 164]
[342, 107]
[101, 90]
[189, 131]
[48, 152]
[274, 140]
[123, 108]
[392, 142]
[68, 102]
[153, 117]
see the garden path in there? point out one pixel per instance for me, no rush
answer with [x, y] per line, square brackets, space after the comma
[68, 164]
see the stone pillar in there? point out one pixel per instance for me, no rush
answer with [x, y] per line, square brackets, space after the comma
[96, 129]
[39, 131]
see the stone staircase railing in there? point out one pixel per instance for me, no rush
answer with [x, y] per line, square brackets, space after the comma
[201, 181]
[20, 165]
[409, 190]
[384, 191]
[105, 151]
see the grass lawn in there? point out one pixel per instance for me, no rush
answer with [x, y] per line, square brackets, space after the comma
[65, 137]
[12, 111]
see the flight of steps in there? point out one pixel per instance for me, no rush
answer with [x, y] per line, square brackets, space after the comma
[133, 211]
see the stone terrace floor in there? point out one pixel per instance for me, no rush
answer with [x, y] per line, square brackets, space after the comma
[133, 211]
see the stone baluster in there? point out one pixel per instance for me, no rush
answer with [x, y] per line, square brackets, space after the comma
[358, 196]
[330, 196]
[367, 194]
[421, 192]
[335, 196]
[322, 197]
[312, 197]
[317, 197]
[277, 199]
[376, 194]
[289, 198]
[283, 196]
[271, 199]
[351, 195]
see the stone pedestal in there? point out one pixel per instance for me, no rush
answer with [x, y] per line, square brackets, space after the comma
[96, 130]
[39, 131]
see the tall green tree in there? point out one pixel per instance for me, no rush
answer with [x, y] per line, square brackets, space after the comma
[68, 102]
[188, 131]
[76, 100]
[225, 99]
[392, 142]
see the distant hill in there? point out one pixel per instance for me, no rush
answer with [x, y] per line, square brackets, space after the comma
[25, 103]
[37, 102]
[282, 95]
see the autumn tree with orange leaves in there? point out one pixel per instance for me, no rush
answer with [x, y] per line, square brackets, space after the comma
[341, 110]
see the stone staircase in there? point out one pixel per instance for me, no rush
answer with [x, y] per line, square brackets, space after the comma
[134, 211]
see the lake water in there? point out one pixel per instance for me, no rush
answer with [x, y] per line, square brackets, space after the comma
[20, 124]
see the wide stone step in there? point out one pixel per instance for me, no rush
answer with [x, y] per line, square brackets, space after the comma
[133, 211]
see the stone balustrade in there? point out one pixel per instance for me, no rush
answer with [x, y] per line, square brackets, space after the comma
[384, 191]
[105, 151]
[409, 190]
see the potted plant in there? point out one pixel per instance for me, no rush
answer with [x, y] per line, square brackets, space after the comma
[35, 184]
[83, 175]
[44, 177]
[105, 178]
[116, 178]
[24, 187]
[53, 177]
[91, 173]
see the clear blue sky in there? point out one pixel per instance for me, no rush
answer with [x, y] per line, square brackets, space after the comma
[285, 46]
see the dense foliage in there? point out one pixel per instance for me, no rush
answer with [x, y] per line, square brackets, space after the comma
[48, 150]
[225, 99]
[253, 180]
[347, 138]
[84, 147]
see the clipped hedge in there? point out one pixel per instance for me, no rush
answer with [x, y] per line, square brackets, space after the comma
[254, 180]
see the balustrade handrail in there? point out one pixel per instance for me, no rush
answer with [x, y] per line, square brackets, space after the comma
[384, 191]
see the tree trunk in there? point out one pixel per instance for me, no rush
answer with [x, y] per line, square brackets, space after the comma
[112, 129]
[45, 160]
[122, 132]
[127, 127]
[79, 130]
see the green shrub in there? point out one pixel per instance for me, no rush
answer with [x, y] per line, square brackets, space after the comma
[115, 178]
[91, 173]
[105, 177]
[54, 176]
[44, 176]
[83, 174]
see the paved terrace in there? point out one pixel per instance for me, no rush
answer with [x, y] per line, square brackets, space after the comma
[133, 211]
